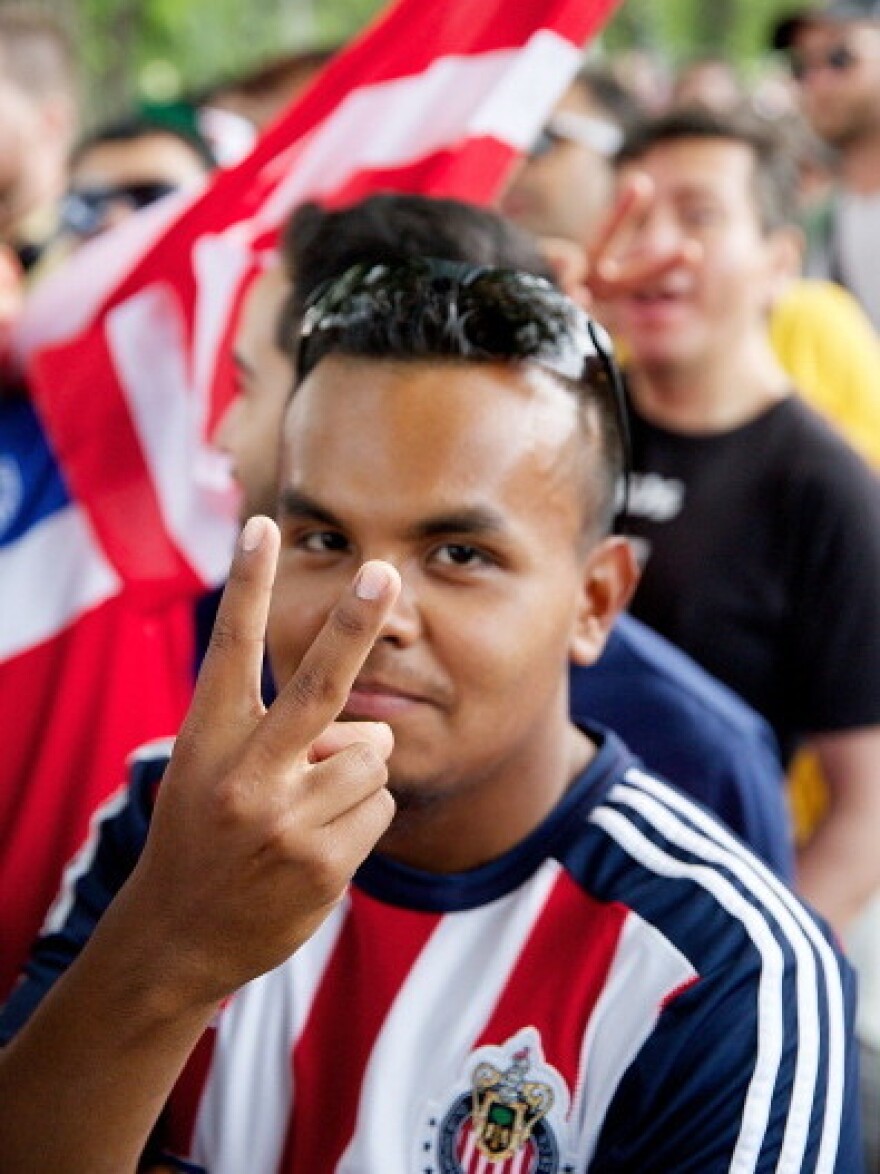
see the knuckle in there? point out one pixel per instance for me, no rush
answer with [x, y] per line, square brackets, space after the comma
[349, 622]
[312, 686]
[225, 636]
[366, 761]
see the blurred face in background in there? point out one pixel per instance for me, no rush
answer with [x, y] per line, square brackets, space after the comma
[111, 180]
[700, 312]
[836, 67]
[251, 428]
[565, 183]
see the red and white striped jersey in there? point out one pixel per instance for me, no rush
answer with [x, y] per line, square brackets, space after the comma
[591, 1001]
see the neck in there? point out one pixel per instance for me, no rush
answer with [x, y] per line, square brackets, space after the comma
[710, 396]
[459, 831]
[860, 165]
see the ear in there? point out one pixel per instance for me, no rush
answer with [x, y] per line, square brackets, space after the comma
[786, 258]
[610, 577]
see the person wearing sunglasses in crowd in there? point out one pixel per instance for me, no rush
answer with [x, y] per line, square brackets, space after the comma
[565, 183]
[124, 167]
[550, 959]
[834, 52]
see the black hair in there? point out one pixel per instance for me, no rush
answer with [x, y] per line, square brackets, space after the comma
[321, 244]
[133, 127]
[441, 311]
[775, 172]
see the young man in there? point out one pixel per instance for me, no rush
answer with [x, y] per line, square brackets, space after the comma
[686, 727]
[834, 50]
[761, 529]
[551, 961]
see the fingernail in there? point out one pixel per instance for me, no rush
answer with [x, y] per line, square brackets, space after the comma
[372, 581]
[252, 534]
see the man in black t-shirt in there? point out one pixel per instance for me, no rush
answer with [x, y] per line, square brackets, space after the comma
[760, 528]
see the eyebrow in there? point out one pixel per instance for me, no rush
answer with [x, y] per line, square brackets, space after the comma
[473, 520]
[292, 503]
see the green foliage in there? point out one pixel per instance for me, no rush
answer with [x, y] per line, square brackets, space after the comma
[133, 47]
[681, 29]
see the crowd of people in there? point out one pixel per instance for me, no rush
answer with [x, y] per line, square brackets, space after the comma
[543, 835]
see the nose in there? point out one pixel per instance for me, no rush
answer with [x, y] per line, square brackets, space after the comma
[403, 624]
[657, 234]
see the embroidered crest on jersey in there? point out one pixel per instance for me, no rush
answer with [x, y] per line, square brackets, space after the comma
[504, 1117]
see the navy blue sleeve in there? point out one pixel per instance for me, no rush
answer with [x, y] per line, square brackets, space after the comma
[691, 730]
[90, 883]
[683, 1105]
[753, 1065]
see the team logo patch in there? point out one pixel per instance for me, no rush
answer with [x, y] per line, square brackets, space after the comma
[506, 1116]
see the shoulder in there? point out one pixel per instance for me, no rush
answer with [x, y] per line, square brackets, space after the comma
[677, 867]
[766, 1016]
[655, 666]
[692, 730]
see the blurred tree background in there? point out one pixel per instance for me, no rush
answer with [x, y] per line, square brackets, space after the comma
[159, 49]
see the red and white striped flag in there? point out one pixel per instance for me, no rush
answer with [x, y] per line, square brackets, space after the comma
[126, 350]
[438, 97]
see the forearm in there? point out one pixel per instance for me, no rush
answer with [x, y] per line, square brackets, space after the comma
[85, 1081]
[839, 869]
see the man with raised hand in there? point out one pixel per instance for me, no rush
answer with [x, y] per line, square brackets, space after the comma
[550, 958]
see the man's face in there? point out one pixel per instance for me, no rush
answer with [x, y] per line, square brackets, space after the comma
[249, 431]
[470, 479]
[564, 189]
[837, 67]
[700, 311]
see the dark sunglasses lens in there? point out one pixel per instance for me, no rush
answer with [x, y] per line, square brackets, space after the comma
[83, 213]
[141, 195]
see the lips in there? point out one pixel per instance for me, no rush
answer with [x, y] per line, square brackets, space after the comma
[377, 700]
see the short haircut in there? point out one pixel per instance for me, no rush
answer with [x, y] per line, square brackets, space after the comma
[134, 127]
[37, 53]
[321, 244]
[775, 173]
[439, 311]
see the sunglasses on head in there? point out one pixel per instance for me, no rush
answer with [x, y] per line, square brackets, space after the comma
[84, 211]
[498, 312]
[839, 58]
[567, 127]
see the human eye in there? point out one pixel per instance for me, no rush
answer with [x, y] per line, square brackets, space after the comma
[701, 215]
[321, 542]
[461, 555]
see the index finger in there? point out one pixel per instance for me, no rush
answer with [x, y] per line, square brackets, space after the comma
[318, 690]
[633, 199]
[229, 680]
